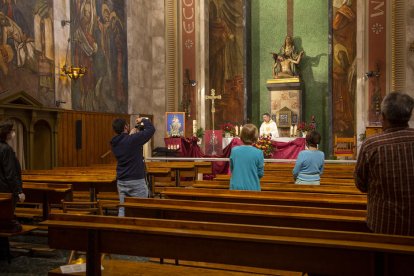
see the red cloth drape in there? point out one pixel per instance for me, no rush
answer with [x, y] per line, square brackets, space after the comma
[188, 148]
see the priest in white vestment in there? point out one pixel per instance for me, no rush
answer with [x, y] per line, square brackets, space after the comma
[269, 127]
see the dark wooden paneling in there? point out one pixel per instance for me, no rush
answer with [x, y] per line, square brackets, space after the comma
[96, 134]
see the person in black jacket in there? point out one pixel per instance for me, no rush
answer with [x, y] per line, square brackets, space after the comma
[10, 171]
[127, 148]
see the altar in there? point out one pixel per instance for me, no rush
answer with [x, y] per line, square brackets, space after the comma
[285, 147]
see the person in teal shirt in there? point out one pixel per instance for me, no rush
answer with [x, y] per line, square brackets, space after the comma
[246, 162]
[309, 164]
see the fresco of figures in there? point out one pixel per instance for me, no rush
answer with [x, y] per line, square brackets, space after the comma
[226, 31]
[344, 67]
[27, 48]
[99, 43]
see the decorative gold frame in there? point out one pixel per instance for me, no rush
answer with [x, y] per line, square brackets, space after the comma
[284, 119]
[168, 118]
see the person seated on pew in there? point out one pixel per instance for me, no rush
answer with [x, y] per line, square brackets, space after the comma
[127, 147]
[246, 161]
[10, 171]
[385, 169]
[309, 164]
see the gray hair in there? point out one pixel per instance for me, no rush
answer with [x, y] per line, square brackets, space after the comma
[397, 107]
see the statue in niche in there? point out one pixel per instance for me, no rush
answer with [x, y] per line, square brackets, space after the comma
[286, 61]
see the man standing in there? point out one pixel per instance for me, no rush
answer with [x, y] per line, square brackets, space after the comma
[10, 172]
[127, 148]
[268, 127]
[385, 169]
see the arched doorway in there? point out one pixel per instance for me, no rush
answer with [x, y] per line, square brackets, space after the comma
[19, 144]
[42, 145]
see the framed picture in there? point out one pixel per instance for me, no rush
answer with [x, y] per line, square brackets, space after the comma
[175, 124]
[284, 119]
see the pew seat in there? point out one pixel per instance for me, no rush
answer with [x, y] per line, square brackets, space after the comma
[292, 249]
[124, 267]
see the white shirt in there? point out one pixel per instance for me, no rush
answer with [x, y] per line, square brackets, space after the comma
[269, 128]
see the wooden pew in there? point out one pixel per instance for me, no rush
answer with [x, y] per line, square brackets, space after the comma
[254, 214]
[211, 184]
[6, 217]
[122, 267]
[289, 179]
[92, 183]
[340, 201]
[154, 173]
[180, 169]
[46, 194]
[6, 206]
[294, 249]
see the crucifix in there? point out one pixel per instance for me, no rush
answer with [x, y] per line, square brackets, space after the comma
[213, 97]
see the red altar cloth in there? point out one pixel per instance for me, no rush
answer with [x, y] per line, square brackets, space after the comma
[187, 147]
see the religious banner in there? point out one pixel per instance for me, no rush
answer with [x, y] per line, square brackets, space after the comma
[188, 40]
[344, 68]
[377, 37]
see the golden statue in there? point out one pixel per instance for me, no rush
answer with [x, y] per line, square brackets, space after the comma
[286, 60]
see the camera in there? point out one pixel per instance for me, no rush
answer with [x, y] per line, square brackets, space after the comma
[140, 126]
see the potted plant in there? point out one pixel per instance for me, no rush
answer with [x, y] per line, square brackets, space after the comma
[200, 135]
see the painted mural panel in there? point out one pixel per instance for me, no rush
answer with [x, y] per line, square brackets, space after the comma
[27, 48]
[226, 33]
[344, 67]
[99, 42]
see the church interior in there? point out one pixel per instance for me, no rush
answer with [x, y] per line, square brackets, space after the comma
[198, 70]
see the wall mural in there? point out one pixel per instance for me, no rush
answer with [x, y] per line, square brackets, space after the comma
[99, 42]
[226, 32]
[27, 48]
[344, 68]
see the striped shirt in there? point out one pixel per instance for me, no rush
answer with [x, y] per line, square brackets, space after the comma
[385, 171]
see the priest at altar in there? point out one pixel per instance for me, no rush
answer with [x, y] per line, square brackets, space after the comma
[269, 127]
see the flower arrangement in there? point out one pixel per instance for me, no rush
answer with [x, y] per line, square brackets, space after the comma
[229, 128]
[303, 126]
[264, 143]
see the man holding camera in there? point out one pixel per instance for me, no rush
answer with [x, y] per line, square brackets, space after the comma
[127, 147]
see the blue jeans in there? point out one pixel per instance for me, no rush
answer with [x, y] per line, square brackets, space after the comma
[298, 181]
[133, 188]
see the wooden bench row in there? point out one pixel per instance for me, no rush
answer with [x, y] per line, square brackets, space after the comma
[336, 189]
[296, 249]
[323, 200]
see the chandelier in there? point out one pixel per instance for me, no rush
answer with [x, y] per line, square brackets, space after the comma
[73, 72]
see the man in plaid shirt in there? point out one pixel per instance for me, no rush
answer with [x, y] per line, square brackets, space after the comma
[385, 169]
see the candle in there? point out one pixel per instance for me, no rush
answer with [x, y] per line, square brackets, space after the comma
[194, 127]
[291, 131]
[237, 130]
[240, 128]
[295, 130]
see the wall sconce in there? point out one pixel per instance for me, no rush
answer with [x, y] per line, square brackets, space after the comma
[73, 72]
[59, 102]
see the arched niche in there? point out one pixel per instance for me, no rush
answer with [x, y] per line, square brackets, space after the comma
[39, 126]
[42, 151]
